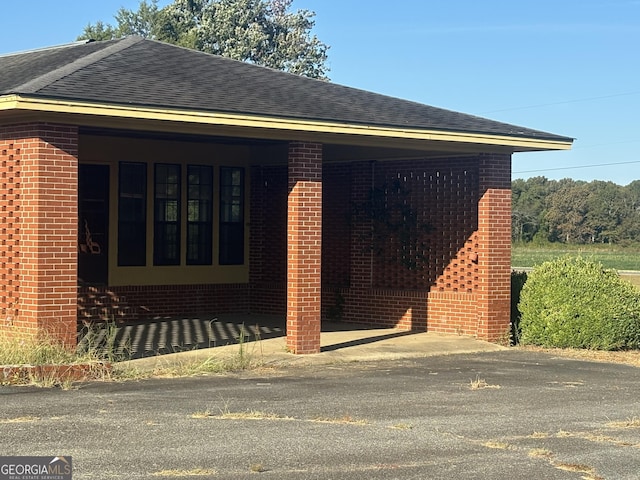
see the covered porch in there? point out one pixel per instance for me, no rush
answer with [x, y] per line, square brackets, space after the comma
[132, 191]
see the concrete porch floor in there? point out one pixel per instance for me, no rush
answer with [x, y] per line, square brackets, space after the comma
[168, 339]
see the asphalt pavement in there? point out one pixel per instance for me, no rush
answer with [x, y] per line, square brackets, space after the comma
[491, 414]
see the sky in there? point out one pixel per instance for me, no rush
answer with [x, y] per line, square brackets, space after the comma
[568, 67]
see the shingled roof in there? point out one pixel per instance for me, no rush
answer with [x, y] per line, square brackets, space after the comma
[143, 73]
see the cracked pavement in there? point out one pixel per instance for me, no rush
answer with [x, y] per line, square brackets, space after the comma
[500, 415]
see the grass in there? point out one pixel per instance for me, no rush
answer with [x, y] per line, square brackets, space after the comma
[540, 453]
[257, 468]
[633, 422]
[47, 350]
[19, 419]
[480, 384]
[248, 415]
[248, 356]
[35, 351]
[195, 472]
[611, 256]
[45, 362]
[98, 346]
[402, 426]
[344, 420]
[626, 357]
[497, 445]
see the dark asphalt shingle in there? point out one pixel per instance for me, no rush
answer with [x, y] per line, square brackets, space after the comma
[141, 72]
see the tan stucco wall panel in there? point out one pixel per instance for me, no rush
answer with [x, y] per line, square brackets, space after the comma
[110, 150]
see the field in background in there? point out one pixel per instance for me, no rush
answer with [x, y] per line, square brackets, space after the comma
[620, 258]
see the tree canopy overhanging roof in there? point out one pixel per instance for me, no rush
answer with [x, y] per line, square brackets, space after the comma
[141, 73]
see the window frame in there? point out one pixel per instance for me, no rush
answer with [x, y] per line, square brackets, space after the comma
[231, 230]
[126, 255]
[167, 241]
[204, 224]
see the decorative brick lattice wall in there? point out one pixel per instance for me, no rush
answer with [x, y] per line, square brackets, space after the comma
[438, 246]
[9, 231]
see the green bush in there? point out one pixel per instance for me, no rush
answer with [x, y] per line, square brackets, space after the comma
[575, 302]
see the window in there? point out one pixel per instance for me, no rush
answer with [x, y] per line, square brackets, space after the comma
[166, 227]
[182, 214]
[199, 215]
[231, 216]
[132, 214]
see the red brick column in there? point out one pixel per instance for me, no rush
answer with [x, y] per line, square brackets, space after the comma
[304, 247]
[494, 248]
[39, 252]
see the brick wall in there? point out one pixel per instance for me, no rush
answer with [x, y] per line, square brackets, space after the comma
[450, 274]
[494, 232]
[484, 311]
[39, 171]
[140, 302]
[304, 235]
[396, 261]
[336, 222]
[268, 240]
[10, 214]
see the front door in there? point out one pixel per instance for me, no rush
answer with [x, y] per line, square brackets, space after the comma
[93, 224]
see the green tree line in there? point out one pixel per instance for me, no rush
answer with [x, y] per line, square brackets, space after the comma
[575, 211]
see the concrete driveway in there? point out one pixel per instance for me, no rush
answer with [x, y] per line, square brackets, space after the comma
[492, 415]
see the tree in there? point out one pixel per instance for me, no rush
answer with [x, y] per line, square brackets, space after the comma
[575, 211]
[605, 206]
[567, 212]
[528, 205]
[263, 32]
[630, 225]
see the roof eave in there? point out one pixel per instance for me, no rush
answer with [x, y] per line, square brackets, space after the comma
[83, 109]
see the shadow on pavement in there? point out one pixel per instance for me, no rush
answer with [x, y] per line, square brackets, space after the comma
[364, 341]
[161, 336]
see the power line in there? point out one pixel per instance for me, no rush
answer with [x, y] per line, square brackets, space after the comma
[578, 166]
[577, 100]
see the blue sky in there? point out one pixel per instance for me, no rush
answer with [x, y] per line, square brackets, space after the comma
[570, 67]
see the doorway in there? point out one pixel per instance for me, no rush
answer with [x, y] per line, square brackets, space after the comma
[93, 224]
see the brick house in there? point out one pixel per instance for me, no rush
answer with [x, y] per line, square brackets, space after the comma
[172, 181]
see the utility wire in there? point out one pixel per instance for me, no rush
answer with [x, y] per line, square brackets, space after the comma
[578, 166]
[577, 100]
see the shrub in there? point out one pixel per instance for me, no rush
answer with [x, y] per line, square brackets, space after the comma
[575, 302]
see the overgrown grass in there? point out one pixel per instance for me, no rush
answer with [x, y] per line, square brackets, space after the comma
[45, 349]
[611, 256]
[98, 346]
[33, 351]
[248, 356]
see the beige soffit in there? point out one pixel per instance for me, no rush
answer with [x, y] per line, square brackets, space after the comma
[44, 105]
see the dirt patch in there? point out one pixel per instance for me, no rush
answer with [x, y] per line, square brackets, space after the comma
[50, 375]
[631, 357]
